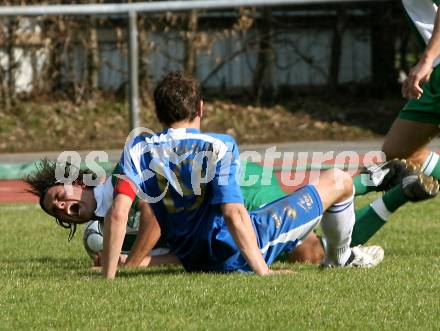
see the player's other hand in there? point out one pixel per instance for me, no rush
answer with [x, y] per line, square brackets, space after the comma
[97, 261]
[97, 266]
[280, 272]
[412, 86]
[122, 259]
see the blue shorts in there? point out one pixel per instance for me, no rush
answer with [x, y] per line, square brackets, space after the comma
[284, 223]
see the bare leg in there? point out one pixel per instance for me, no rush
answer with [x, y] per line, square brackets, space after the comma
[163, 259]
[408, 140]
[310, 251]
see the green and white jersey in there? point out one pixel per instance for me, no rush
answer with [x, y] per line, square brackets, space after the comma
[422, 14]
[93, 236]
[104, 198]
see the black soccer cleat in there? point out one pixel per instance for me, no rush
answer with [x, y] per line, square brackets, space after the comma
[418, 187]
[386, 175]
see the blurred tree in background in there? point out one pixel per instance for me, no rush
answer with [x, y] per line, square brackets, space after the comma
[259, 53]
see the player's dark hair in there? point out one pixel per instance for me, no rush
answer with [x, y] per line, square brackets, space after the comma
[43, 178]
[177, 98]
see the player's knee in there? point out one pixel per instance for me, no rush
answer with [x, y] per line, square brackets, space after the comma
[310, 251]
[348, 183]
[342, 181]
[391, 152]
[302, 256]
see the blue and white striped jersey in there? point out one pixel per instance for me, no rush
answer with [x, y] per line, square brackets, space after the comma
[185, 175]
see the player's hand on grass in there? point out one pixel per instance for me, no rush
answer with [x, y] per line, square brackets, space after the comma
[281, 272]
[97, 261]
[96, 267]
[122, 259]
[412, 86]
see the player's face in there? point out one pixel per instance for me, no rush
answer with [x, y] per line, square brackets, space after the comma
[73, 204]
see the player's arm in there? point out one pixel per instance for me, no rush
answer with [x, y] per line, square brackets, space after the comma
[239, 224]
[421, 72]
[114, 231]
[159, 260]
[147, 236]
[432, 50]
[147, 261]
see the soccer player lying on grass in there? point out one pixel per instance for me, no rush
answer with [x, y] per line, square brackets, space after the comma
[92, 203]
[369, 219]
[81, 203]
[190, 181]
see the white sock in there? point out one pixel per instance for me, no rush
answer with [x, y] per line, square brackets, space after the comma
[337, 225]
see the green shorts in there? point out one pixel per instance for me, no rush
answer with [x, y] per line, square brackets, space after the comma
[257, 194]
[427, 108]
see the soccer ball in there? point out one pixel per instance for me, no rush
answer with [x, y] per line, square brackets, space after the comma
[93, 238]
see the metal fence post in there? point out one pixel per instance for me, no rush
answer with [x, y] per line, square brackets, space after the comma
[133, 71]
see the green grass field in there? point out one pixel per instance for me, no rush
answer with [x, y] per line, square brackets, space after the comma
[45, 284]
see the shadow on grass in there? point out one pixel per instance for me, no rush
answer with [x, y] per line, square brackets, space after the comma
[154, 271]
[33, 267]
[43, 260]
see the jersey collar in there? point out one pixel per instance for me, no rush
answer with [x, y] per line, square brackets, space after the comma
[187, 130]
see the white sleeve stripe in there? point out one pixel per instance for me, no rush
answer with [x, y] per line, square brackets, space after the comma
[428, 168]
[426, 163]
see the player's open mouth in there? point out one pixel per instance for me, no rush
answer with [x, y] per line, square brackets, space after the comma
[74, 209]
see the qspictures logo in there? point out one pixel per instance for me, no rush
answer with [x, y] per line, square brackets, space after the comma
[153, 156]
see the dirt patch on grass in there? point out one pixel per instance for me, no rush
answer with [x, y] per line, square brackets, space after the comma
[103, 124]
